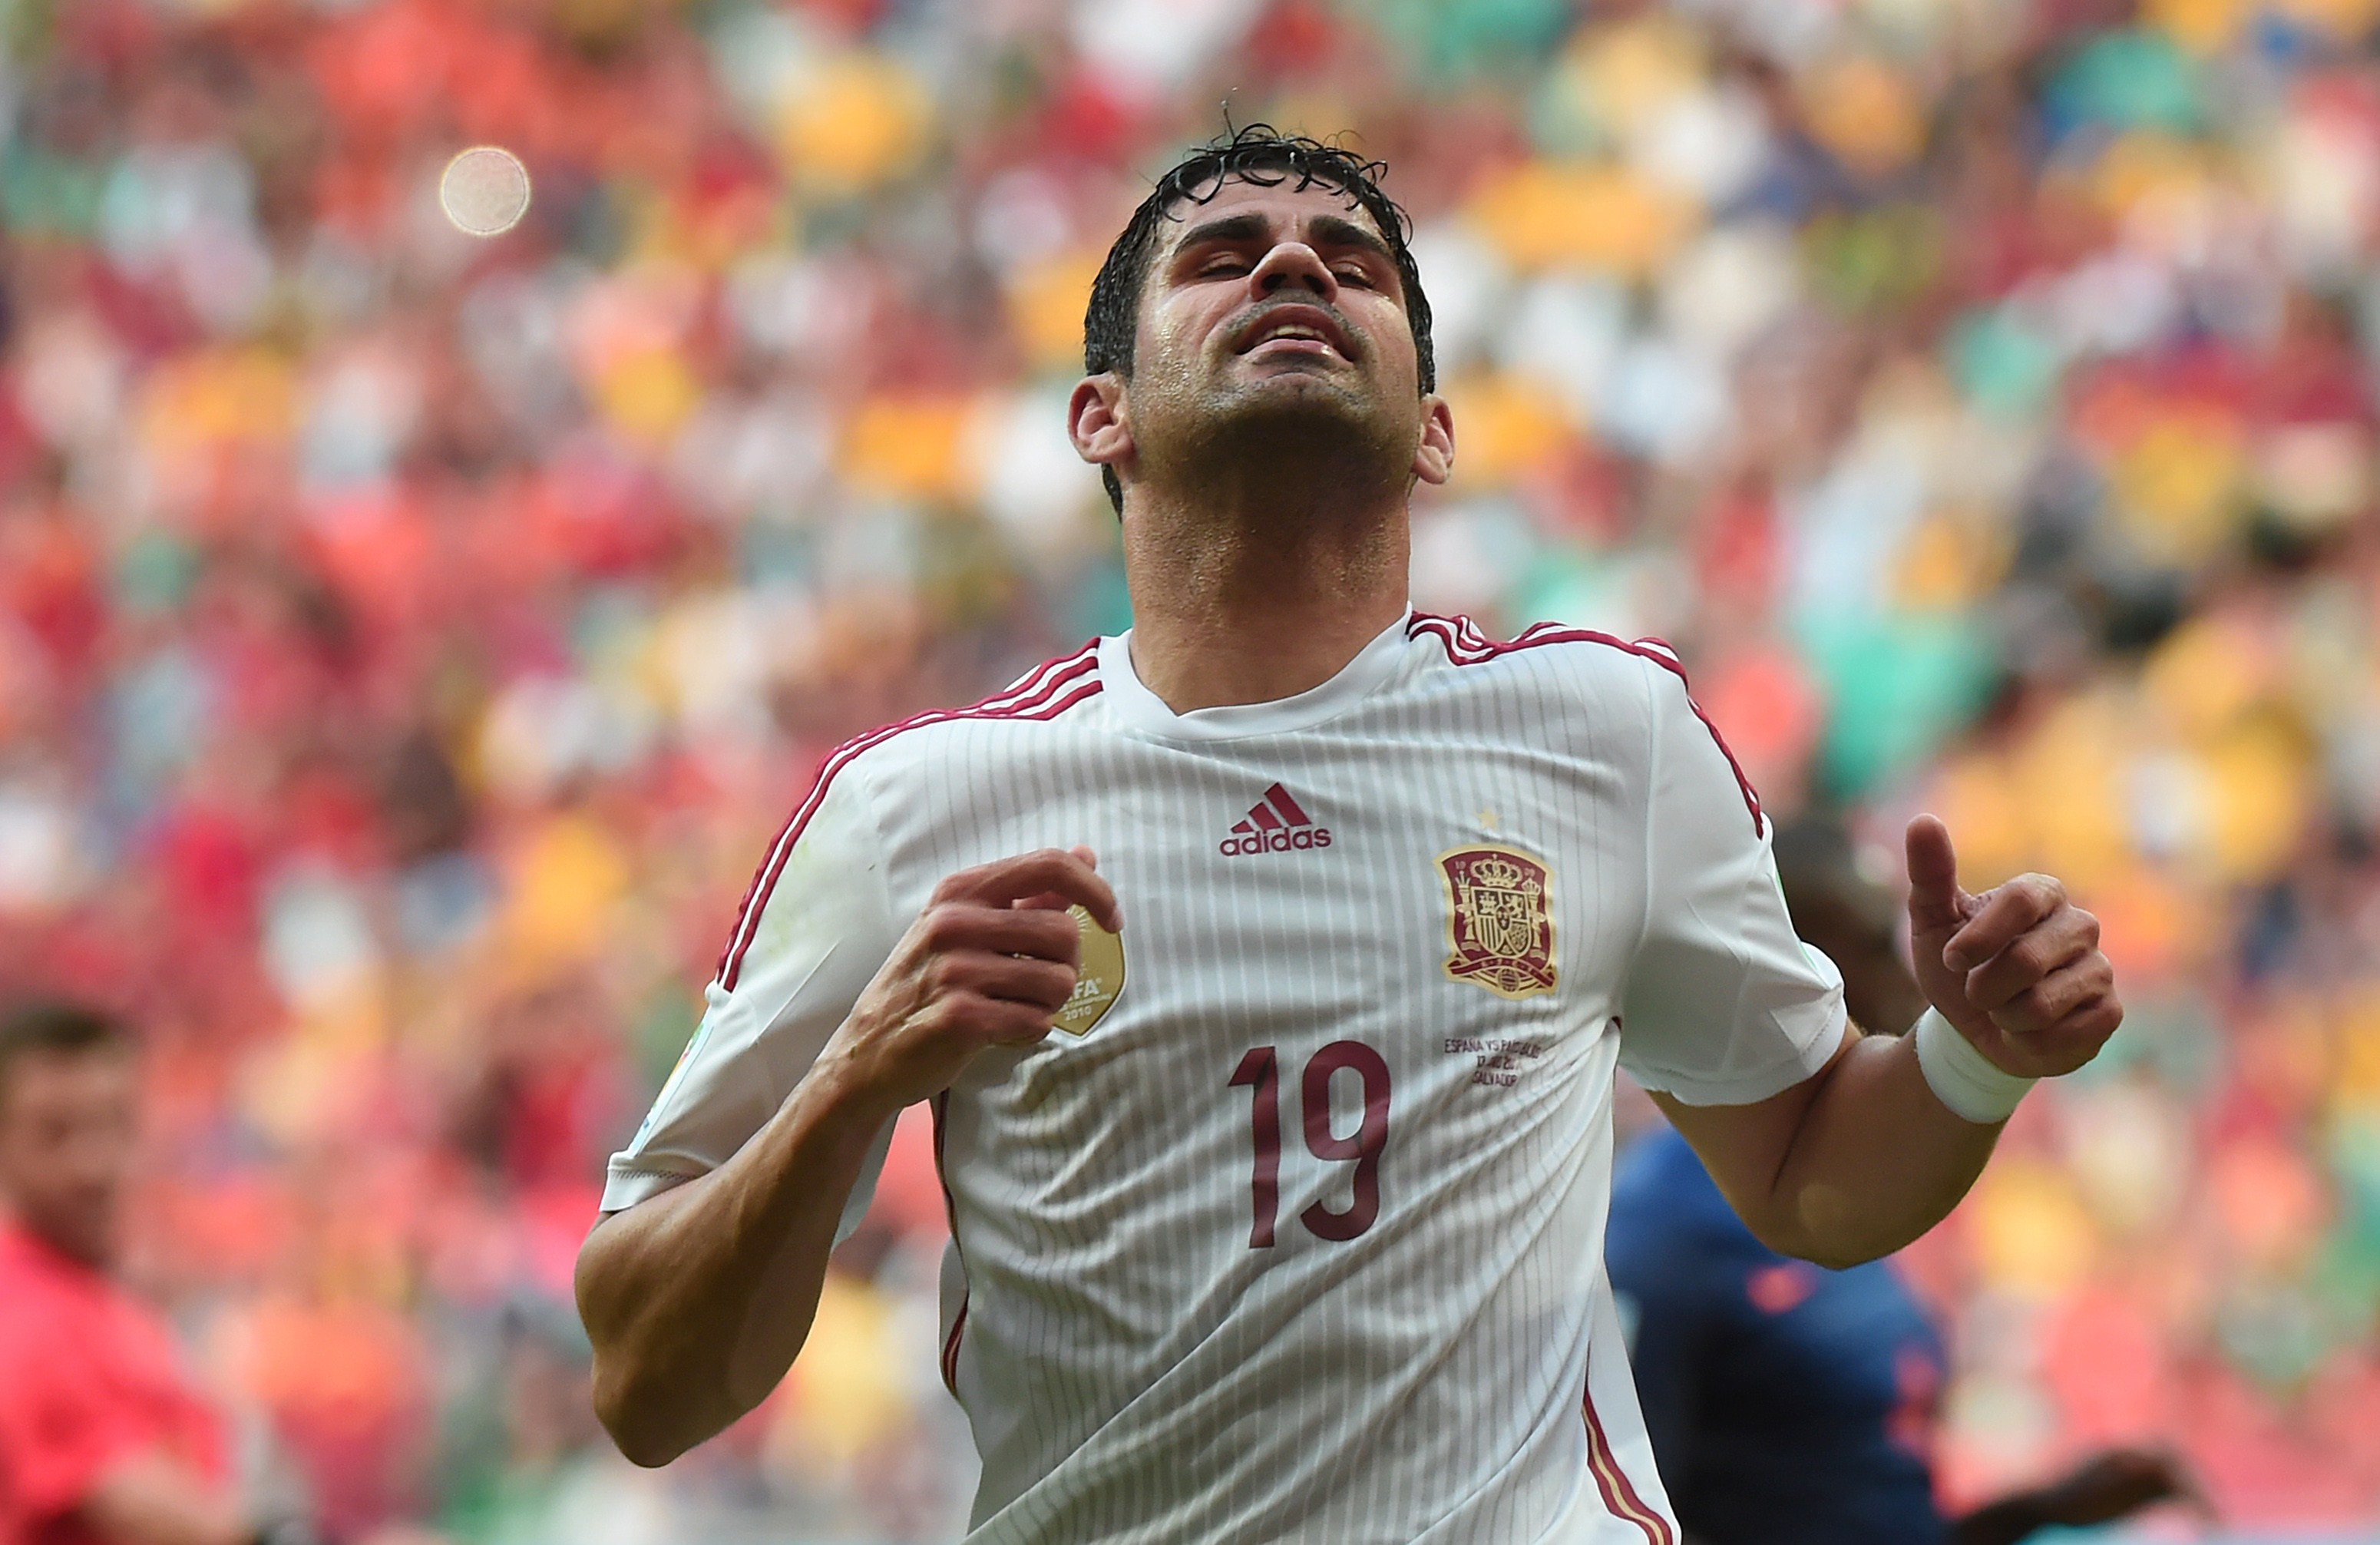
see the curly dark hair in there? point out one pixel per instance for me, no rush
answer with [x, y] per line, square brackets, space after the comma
[1261, 154]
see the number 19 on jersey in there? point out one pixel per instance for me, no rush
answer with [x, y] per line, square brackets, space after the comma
[1260, 1072]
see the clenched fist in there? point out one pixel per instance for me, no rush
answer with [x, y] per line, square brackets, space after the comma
[2017, 969]
[990, 962]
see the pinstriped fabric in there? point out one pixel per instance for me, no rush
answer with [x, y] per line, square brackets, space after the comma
[1133, 1366]
[1040, 693]
[1467, 646]
[1121, 1373]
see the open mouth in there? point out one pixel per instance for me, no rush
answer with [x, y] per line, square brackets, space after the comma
[1297, 330]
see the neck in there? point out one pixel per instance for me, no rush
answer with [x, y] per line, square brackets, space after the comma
[1240, 604]
[67, 1243]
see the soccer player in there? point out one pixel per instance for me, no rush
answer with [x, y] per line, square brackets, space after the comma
[1267, 967]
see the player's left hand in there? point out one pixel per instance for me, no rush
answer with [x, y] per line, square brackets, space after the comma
[2017, 969]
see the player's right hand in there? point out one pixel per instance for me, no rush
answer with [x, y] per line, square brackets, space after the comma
[990, 962]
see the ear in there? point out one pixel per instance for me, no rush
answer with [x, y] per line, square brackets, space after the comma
[1433, 460]
[1096, 419]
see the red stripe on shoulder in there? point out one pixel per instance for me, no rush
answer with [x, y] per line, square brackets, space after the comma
[1466, 645]
[1041, 694]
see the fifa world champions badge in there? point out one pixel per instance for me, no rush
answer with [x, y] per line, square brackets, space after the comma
[1499, 920]
[1096, 980]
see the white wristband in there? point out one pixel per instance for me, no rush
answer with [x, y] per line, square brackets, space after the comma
[1963, 1077]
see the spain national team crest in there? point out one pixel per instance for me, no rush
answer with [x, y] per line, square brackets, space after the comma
[1500, 920]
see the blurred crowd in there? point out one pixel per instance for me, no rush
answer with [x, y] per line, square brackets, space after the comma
[410, 641]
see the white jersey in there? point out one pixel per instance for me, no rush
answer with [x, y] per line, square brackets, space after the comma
[1301, 1239]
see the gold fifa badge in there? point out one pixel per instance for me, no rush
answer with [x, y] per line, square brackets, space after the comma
[1500, 920]
[1098, 982]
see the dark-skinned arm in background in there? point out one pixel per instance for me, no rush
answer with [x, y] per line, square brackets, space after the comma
[2103, 1489]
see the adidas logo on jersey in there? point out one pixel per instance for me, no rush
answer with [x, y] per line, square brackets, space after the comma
[1274, 824]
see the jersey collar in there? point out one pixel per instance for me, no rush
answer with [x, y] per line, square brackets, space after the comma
[1139, 708]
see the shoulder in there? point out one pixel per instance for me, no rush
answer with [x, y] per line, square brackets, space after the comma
[1032, 706]
[32, 1275]
[54, 1322]
[1614, 675]
[1035, 705]
[885, 762]
[1601, 664]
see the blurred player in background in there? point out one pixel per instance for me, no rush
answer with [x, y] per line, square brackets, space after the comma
[1788, 1404]
[1278, 1214]
[103, 1439]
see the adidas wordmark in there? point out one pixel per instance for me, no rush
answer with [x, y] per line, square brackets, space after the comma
[1274, 824]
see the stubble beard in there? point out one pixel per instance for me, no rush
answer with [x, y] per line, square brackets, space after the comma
[1280, 455]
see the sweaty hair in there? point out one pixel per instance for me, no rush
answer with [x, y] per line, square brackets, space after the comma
[1261, 154]
[46, 1025]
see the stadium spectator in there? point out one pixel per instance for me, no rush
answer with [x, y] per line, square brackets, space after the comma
[103, 1439]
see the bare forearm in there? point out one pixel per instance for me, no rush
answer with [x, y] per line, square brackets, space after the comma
[697, 1300]
[1865, 1156]
[1877, 1160]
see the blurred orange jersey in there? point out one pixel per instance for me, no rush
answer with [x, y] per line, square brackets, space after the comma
[1293, 1228]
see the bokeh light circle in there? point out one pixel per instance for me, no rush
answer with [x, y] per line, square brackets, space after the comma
[484, 190]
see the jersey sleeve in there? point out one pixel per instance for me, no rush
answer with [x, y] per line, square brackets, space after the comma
[817, 932]
[1724, 1004]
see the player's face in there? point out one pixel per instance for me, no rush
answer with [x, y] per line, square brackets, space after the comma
[67, 1135]
[1282, 288]
[1279, 310]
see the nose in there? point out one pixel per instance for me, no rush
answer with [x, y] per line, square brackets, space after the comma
[1294, 264]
